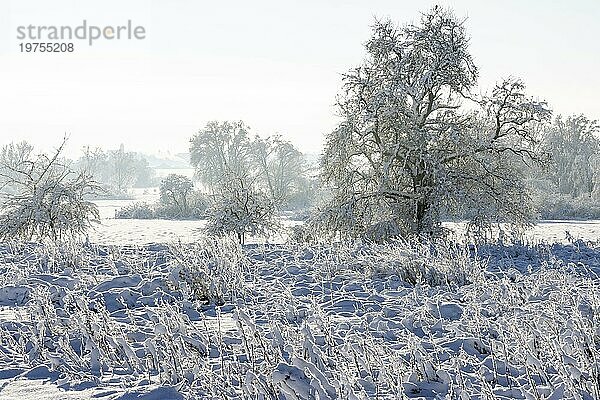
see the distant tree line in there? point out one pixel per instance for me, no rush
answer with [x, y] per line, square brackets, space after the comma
[116, 170]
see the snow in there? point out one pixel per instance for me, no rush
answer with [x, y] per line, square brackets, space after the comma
[131, 318]
[551, 231]
[41, 388]
[140, 231]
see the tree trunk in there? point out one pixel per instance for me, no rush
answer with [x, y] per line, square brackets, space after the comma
[422, 184]
[421, 209]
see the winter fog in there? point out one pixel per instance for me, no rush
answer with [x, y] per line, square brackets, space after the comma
[299, 201]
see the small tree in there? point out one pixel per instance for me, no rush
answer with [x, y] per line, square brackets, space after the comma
[46, 200]
[94, 162]
[241, 210]
[123, 171]
[144, 175]
[13, 157]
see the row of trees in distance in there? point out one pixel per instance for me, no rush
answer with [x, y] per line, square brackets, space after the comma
[116, 170]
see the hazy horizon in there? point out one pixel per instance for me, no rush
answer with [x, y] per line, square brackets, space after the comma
[277, 67]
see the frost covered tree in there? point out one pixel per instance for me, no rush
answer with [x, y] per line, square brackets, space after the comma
[122, 164]
[416, 143]
[175, 190]
[242, 210]
[45, 200]
[179, 199]
[226, 150]
[569, 185]
[94, 162]
[13, 157]
[144, 175]
[238, 174]
[117, 170]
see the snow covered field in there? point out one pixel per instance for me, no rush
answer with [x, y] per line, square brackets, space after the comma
[142, 231]
[210, 319]
[121, 231]
[132, 231]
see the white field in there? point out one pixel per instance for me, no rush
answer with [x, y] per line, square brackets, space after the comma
[139, 231]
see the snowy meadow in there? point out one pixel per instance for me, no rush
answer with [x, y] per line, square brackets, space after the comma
[214, 319]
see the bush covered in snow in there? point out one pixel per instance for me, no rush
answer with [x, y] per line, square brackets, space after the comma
[42, 198]
[137, 210]
[179, 199]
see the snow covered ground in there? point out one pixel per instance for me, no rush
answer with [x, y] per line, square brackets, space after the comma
[142, 231]
[120, 231]
[555, 231]
[203, 318]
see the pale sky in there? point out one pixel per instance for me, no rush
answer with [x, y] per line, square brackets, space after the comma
[274, 64]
